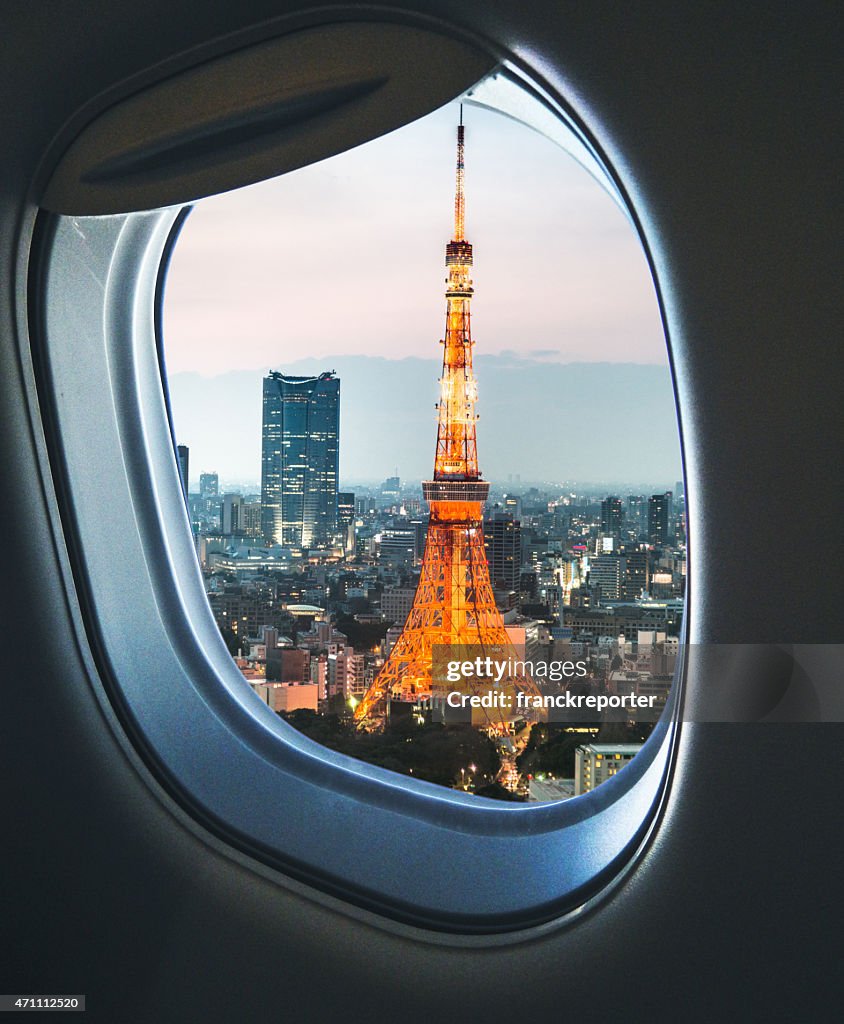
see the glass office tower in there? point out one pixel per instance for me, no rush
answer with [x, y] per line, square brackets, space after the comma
[299, 460]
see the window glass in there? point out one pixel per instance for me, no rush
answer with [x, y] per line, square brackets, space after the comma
[429, 447]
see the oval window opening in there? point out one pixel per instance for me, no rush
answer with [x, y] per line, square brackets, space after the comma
[435, 503]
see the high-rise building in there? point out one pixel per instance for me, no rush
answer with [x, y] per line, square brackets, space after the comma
[183, 455]
[659, 518]
[209, 485]
[607, 572]
[346, 520]
[503, 542]
[230, 515]
[366, 506]
[345, 507]
[637, 513]
[346, 673]
[420, 527]
[398, 545]
[249, 518]
[299, 460]
[612, 516]
[636, 575]
[513, 505]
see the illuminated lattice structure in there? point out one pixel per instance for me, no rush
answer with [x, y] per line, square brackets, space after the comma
[454, 602]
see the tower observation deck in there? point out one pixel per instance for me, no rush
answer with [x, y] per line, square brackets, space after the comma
[454, 602]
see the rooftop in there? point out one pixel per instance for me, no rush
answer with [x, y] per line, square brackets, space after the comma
[606, 749]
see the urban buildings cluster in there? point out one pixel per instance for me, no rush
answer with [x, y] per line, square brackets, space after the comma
[311, 585]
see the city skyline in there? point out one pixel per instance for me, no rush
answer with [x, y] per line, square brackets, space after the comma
[611, 424]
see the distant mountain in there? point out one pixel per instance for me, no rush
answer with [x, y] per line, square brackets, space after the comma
[540, 419]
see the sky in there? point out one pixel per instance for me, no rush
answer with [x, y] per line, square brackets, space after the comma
[343, 261]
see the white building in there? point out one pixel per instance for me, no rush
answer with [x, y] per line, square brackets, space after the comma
[396, 603]
[597, 762]
[346, 673]
[288, 696]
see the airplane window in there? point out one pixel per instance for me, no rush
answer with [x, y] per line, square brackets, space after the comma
[264, 536]
[424, 534]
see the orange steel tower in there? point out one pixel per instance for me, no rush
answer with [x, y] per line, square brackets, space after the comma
[454, 602]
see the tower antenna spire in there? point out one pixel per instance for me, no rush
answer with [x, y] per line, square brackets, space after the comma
[459, 197]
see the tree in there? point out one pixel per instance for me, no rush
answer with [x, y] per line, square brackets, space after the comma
[495, 791]
[363, 636]
[432, 751]
[231, 640]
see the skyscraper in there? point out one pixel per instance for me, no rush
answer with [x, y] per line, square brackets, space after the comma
[659, 518]
[299, 460]
[607, 572]
[183, 456]
[612, 516]
[503, 543]
[637, 513]
[230, 515]
[636, 575]
[346, 520]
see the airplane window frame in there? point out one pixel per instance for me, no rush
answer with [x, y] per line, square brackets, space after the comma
[375, 839]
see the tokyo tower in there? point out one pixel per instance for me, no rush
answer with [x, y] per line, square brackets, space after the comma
[454, 602]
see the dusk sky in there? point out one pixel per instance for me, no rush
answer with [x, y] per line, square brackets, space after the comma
[345, 259]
